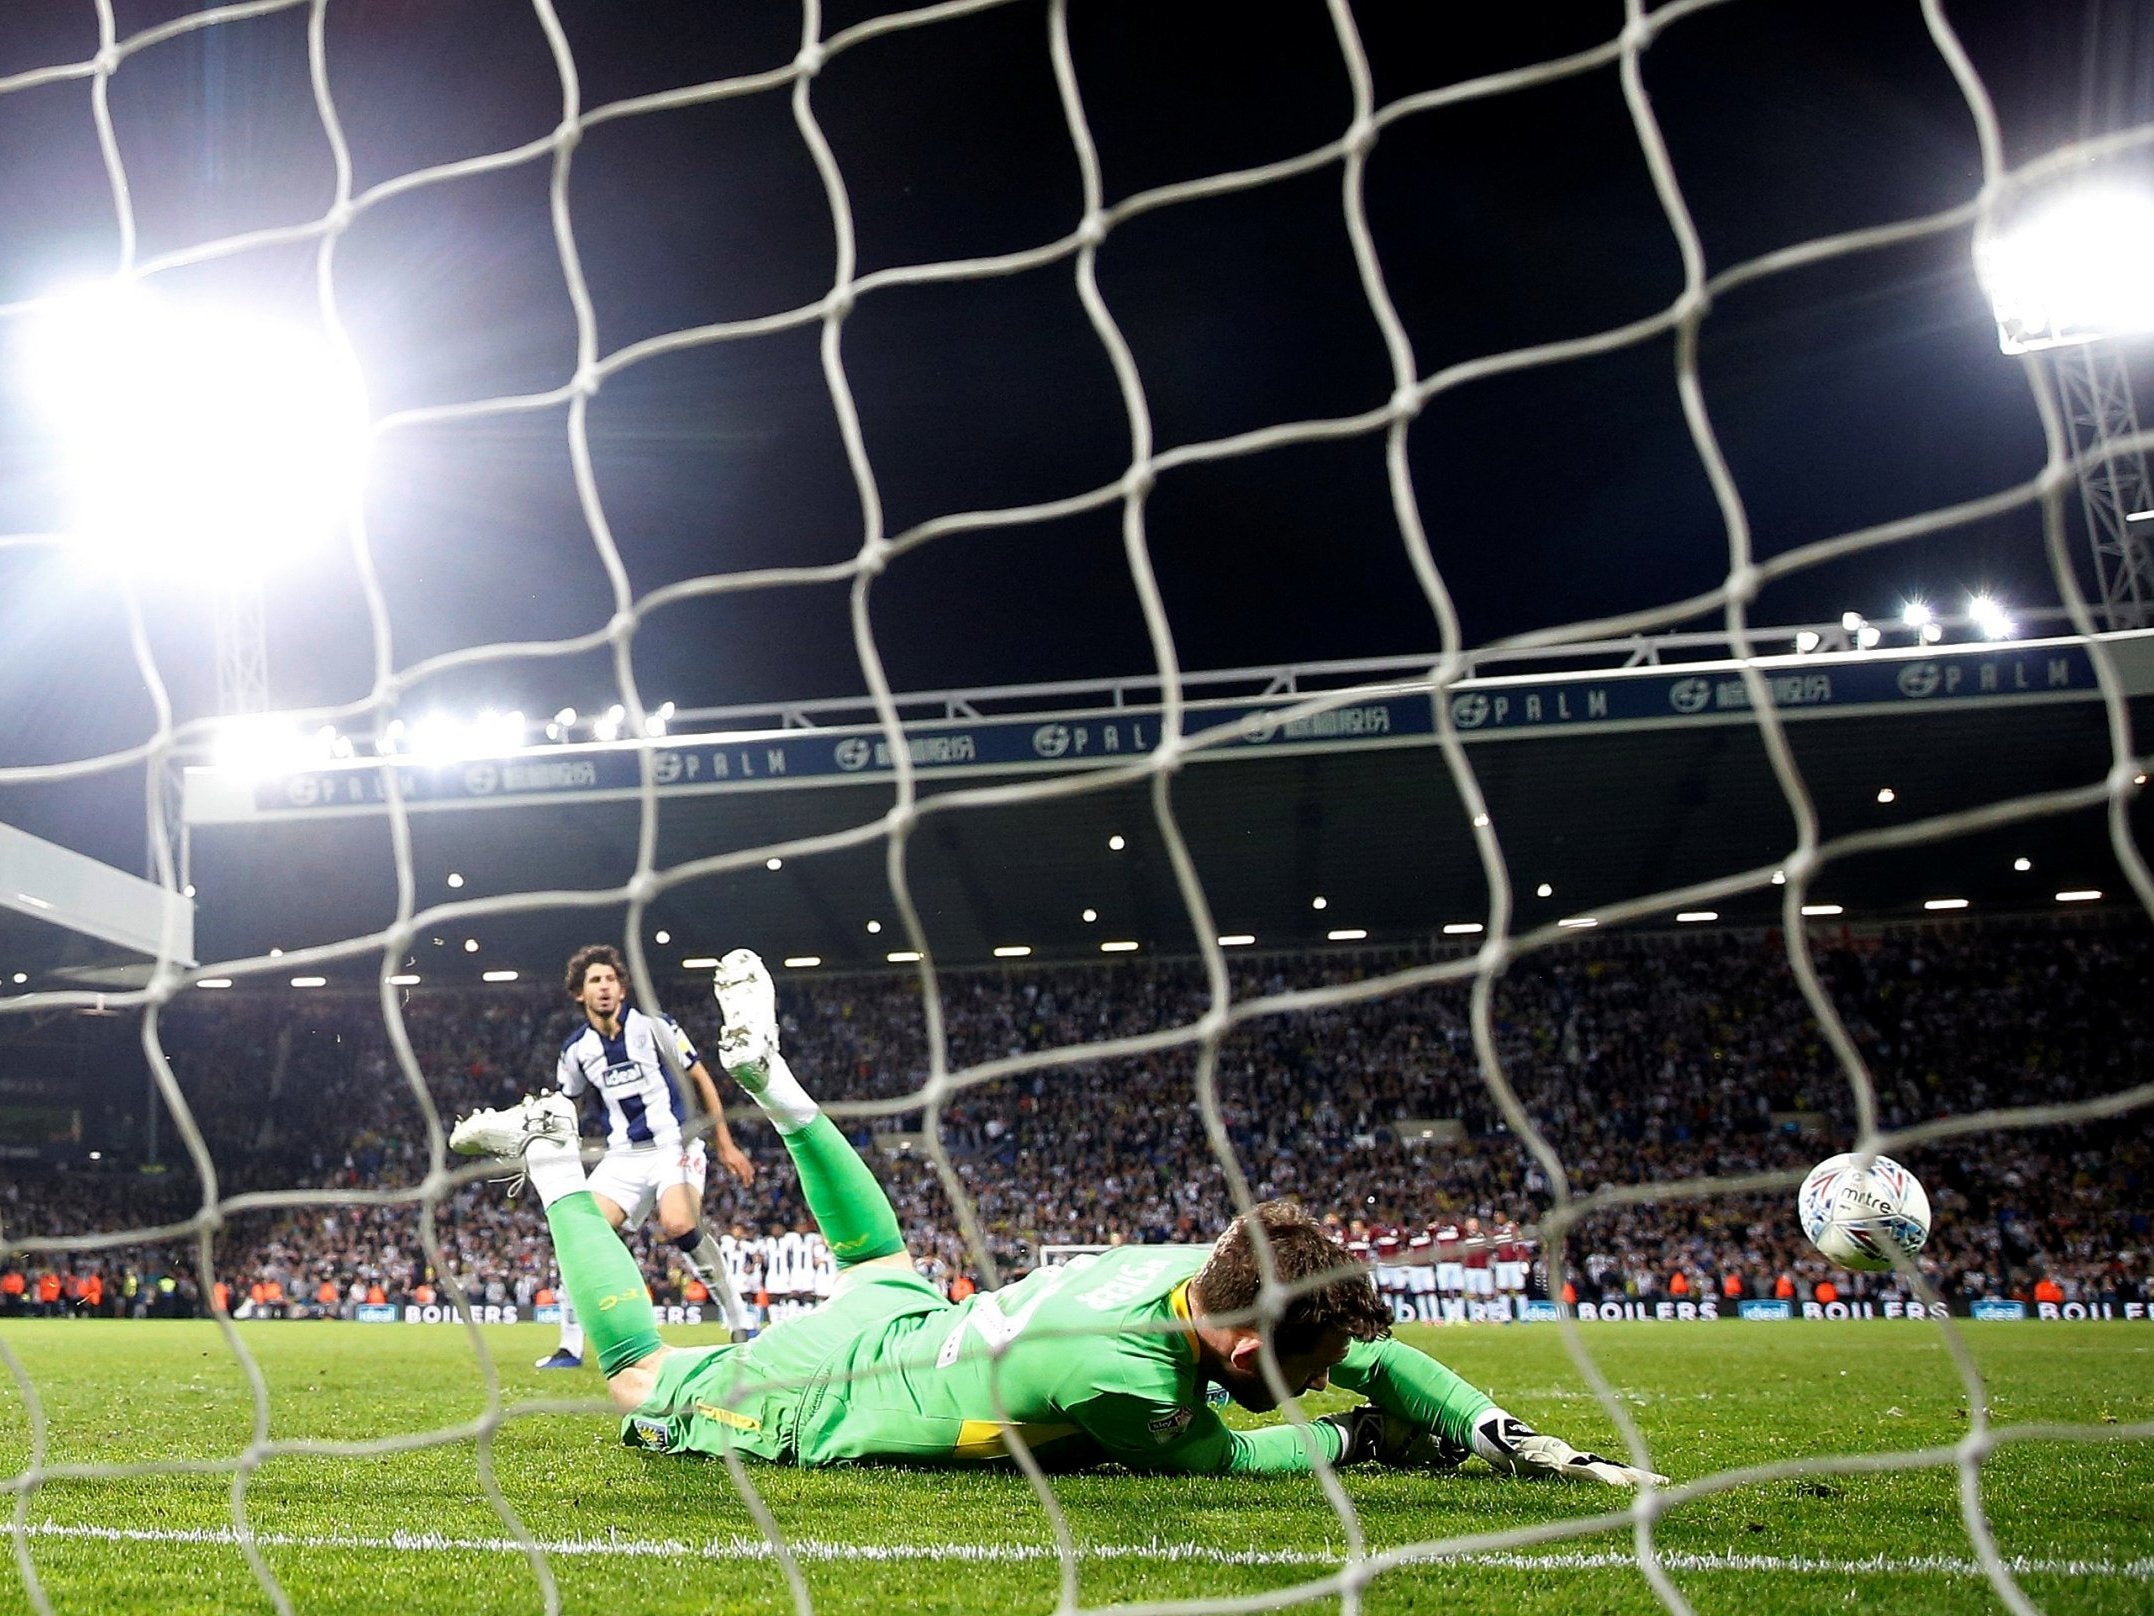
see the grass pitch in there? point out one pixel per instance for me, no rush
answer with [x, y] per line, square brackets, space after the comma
[626, 1533]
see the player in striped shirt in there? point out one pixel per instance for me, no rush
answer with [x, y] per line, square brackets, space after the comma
[649, 1161]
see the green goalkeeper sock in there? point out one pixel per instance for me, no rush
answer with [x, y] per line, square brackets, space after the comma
[848, 1205]
[603, 1281]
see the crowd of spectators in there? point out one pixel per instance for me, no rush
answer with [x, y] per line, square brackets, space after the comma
[1639, 1060]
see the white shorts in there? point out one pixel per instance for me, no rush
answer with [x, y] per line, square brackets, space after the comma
[1480, 1282]
[1510, 1276]
[634, 1179]
[1450, 1277]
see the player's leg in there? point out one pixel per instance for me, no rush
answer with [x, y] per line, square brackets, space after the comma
[848, 1205]
[568, 1351]
[678, 1206]
[596, 1267]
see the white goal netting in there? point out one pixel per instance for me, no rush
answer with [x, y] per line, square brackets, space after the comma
[541, 194]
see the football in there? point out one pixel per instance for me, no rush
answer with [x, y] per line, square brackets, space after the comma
[1859, 1216]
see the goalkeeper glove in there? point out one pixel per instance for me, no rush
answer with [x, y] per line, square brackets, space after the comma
[1513, 1446]
[1368, 1433]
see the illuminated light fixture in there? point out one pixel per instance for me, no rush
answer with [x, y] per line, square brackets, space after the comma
[1816, 909]
[1886, 794]
[206, 982]
[2066, 263]
[661, 938]
[1932, 633]
[1867, 636]
[1090, 915]
[1319, 903]
[774, 864]
[1464, 928]
[497, 976]
[1237, 939]
[607, 725]
[802, 962]
[1544, 890]
[455, 880]
[1013, 951]
[2023, 865]
[2139, 516]
[471, 945]
[1115, 844]
[1118, 948]
[655, 723]
[276, 953]
[1346, 934]
[310, 981]
[1808, 640]
[404, 979]
[197, 441]
[1990, 618]
[1578, 922]
[1480, 821]
[558, 726]
[33, 902]
[874, 926]
[1691, 917]
[2139, 779]
[2086, 895]
[903, 956]
[1780, 878]
[1944, 903]
[1917, 614]
[187, 891]
[699, 963]
[1851, 621]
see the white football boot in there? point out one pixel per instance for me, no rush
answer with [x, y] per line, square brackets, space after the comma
[749, 1001]
[511, 1130]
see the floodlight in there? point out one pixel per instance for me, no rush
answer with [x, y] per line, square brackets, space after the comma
[661, 938]
[1346, 934]
[1118, 948]
[874, 926]
[607, 727]
[2068, 265]
[259, 746]
[803, 962]
[1090, 915]
[1990, 618]
[1544, 890]
[903, 956]
[1917, 614]
[774, 864]
[1851, 621]
[2023, 864]
[1236, 939]
[205, 441]
[1808, 640]
[1867, 636]
[1115, 844]
[1932, 633]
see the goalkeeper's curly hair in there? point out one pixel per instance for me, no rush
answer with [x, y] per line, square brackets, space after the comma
[1331, 1289]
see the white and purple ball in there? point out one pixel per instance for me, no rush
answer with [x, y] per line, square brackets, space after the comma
[1859, 1216]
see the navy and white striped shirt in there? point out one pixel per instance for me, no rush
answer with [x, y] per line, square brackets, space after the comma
[643, 1104]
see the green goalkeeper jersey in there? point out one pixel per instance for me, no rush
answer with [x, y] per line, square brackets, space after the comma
[1089, 1363]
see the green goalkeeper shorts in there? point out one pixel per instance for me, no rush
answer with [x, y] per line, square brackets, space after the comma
[754, 1399]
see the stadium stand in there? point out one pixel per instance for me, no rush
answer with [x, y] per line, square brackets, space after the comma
[1644, 1057]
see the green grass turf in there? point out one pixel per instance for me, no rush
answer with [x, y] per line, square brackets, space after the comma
[1708, 1397]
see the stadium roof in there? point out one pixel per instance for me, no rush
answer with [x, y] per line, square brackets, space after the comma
[1659, 782]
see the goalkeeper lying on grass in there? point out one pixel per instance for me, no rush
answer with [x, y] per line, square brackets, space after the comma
[1097, 1362]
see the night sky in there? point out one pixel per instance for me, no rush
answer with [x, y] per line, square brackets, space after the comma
[1862, 389]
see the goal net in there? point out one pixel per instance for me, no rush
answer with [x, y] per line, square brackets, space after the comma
[961, 346]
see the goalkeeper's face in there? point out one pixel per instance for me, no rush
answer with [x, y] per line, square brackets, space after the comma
[1240, 1371]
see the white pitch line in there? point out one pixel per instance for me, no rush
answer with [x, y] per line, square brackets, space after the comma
[818, 1550]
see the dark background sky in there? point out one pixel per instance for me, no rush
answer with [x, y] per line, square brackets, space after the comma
[1863, 389]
